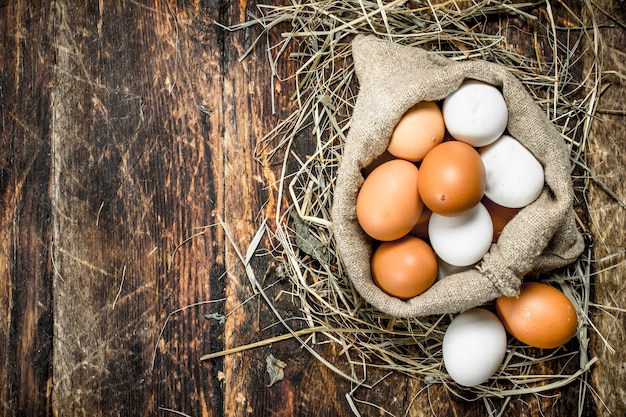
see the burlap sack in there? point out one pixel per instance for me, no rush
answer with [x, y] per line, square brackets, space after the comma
[543, 236]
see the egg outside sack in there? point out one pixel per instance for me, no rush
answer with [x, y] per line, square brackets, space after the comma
[473, 347]
[540, 316]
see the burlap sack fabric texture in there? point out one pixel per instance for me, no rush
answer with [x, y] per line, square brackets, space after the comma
[543, 236]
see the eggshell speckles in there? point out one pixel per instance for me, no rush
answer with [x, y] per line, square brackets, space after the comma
[452, 178]
[388, 205]
[404, 268]
[474, 346]
[541, 316]
[419, 130]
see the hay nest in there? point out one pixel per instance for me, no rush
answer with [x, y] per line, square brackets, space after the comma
[317, 36]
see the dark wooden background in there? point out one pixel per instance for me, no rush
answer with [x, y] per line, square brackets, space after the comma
[127, 130]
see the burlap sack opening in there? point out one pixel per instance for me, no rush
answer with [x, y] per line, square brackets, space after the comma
[542, 237]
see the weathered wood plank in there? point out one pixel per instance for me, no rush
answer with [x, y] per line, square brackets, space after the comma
[607, 159]
[25, 277]
[241, 106]
[136, 171]
[127, 128]
[250, 197]
[139, 170]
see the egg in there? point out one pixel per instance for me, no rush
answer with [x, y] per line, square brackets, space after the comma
[378, 161]
[541, 316]
[404, 268]
[515, 178]
[461, 240]
[421, 227]
[475, 113]
[500, 216]
[388, 204]
[452, 178]
[444, 269]
[417, 132]
[474, 347]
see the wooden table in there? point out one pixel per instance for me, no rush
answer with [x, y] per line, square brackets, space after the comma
[128, 131]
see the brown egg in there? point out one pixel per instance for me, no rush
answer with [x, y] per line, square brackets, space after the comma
[417, 132]
[500, 216]
[388, 204]
[452, 178]
[541, 316]
[421, 228]
[381, 159]
[404, 268]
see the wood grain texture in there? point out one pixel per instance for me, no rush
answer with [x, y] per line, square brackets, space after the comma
[134, 174]
[128, 130]
[607, 159]
[156, 123]
[25, 218]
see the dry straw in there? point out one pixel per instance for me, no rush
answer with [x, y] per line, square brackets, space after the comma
[317, 36]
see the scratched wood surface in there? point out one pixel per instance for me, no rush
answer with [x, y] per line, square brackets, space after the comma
[26, 310]
[128, 135]
[608, 212]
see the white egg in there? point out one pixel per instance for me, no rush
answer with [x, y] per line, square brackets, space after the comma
[444, 269]
[461, 240]
[514, 177]
[476, 113]
[474, 346]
